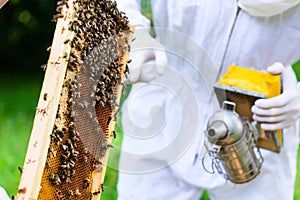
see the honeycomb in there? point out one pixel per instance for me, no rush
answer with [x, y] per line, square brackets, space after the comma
[79, 102]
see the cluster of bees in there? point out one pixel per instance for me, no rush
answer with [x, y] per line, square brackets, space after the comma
[79, 138]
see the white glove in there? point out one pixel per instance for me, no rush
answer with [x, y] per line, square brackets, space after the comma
[281, 111]
[148, 57]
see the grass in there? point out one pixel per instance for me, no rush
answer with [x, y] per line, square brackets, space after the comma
[18, 98]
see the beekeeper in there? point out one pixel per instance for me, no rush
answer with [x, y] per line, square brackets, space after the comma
[172, 97]
[3, 194]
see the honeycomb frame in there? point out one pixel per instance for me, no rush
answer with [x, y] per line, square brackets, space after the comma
[59, 107]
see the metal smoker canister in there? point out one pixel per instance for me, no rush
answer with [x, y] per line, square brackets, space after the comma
[238, 158]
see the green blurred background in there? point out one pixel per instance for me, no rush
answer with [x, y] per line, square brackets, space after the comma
[26, 33]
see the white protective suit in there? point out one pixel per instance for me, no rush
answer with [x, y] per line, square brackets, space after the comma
[3, 195]
[163, 121]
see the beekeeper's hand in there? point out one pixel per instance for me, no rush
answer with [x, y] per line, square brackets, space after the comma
[148, 57]
[281, 111]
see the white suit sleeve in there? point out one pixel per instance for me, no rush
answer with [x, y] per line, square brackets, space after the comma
[3, 195]
[132, 9]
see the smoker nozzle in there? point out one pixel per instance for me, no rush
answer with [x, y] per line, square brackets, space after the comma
[217, 131]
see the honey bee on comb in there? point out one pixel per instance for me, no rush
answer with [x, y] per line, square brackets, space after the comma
[83, 83]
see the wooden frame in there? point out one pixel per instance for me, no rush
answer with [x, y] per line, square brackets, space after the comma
[35, 160]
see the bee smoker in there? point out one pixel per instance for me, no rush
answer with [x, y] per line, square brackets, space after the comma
[231, 143]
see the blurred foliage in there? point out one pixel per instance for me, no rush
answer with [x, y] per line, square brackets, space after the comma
[146, 8]
[26, 31]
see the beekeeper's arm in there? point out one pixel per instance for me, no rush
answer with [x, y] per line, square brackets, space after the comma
[281, 111]
[147, 56]
[2, 3]
[3, 194]
[284, 110]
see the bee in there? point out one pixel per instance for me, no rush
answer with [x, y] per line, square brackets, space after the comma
[75, 153]
[57, 180]
[48, 165]
[60, 3]
[64, 147]
[49, 48]
[52, 178]
[96, 192]
[83, 69]
[59, 9]
[58, 140]
[70, 194]
[84, 159]
[75, 139]
[116, 114]
[83, 104]
[67, 166]
[50, 150]
[72, 163]
[86, 183]
[85, 150]
[43, 111]
[69, 143]
[72, 172]
[58, 116]
[22, 190]
[65, 54]
[92, 80]
[102, 104]
[68, 180]
[70, 100]
[76, 94]
[45, 96]
[102, 151]
[114, 134]
[109, 120]
[90, 114]
[20, 169]
[57, 16]
[126, 71]
[77, 192]
[43, 67]
[98, 168]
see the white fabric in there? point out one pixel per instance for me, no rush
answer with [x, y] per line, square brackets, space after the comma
[3, 194]
[132, 8]
[201, 38]
[266, 8]
[147, 56]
